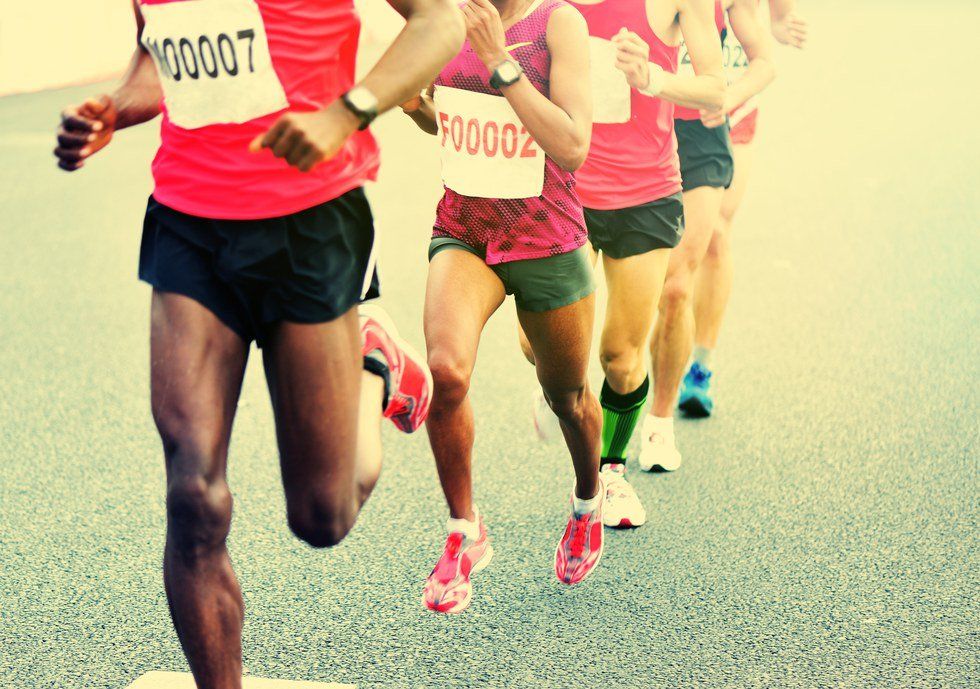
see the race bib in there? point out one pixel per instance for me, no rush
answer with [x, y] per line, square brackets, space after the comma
[486, 151]
[684, 66]
[213, 60]
[610, 90]
[735, 59]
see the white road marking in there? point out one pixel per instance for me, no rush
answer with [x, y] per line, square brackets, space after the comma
[183, 680]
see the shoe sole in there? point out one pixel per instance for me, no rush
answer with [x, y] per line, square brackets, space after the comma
[695, 408]
[382, 317]
[480, 565]
[624, 524]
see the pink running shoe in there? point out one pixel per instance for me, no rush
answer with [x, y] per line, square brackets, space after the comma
[580, 547]
[409, 381]
[448, 588]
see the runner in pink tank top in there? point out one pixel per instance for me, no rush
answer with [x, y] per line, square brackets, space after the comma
[511, 116]
[630, 185]
[259, 230]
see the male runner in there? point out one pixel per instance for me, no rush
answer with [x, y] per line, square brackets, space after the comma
[239, 246]
[704, 146]
[514, 119]
[630, 186]
[713, 283]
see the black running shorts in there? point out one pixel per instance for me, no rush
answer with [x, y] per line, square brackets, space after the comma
[636, 230]
[308, 267]
[706, 155]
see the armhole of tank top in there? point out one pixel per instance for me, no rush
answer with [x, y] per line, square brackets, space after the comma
[646, 12]
[530, 8]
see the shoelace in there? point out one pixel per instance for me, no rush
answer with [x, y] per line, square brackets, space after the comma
[446, 569]
[579, 535]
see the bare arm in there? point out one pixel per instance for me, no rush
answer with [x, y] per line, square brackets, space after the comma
[787, 27]
[751, 33]
[561, 125]
[433, 33]
[422, 110]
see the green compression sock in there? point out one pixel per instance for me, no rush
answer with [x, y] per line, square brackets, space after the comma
[620, 414]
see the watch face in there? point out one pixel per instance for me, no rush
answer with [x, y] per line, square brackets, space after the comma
[509, 72]
[362, 100]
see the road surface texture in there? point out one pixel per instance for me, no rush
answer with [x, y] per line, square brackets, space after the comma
[822, 531]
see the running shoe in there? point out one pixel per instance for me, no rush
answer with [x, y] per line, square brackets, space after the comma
[695, 398]
[580, 547]
[546, 424]
[409, 379]
[448, 588]
[658, 451]
[622, 509]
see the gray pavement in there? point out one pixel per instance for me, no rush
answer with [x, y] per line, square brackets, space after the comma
[821, 533]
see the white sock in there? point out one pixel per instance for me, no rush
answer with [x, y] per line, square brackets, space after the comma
[580, 506]
[658, 424]
[470, 529]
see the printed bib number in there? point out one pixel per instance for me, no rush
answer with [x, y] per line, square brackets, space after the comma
[486, 151]
[684, 66]
[213, 60]
[735, 59]
[610, 90]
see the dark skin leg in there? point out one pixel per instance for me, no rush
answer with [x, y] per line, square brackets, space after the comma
[560, 341]
[461, 295]
[196, 370]
[328, 414]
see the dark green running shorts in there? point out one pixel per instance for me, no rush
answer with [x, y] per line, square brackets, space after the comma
[636, 230]
[538, 284]
[706, 154]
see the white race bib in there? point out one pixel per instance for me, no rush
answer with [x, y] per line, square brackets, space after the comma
[213, 60]
[684, 66]
[486, 151]
[736, 62]
[610, 90]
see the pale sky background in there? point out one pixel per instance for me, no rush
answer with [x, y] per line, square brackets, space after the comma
[50, 43]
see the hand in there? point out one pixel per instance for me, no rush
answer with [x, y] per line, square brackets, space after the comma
[714, 118]
[792, 31]
[305, 139]
[633, 58]
[412, 104]
[84, 130]
[485, 32]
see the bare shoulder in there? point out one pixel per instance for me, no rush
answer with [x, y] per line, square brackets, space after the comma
[566, 25]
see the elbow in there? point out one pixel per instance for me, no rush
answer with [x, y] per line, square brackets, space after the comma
[448, 23]
[717, 95]
[572, 159]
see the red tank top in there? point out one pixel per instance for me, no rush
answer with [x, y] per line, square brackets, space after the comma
[633, 158]
[682, 113]
[229, 69]
[503, 196]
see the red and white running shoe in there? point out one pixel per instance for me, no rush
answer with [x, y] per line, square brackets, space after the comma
[580, 547]
[409, 378]
[448, 588]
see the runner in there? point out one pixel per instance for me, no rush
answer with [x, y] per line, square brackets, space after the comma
[513, 119]
[239, 246]
[713, 283]
[705, 150]
[631, 186]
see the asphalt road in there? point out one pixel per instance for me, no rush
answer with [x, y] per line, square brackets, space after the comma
[821, 533]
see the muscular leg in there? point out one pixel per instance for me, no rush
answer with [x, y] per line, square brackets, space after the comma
[328, 415]
[461, 295]
[561, 340]
[713, 284]
[673, 337]
[196, 370]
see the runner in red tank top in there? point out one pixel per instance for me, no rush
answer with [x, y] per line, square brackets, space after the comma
[747, 64]
[630, 185]
[258, 229]
[513, 119]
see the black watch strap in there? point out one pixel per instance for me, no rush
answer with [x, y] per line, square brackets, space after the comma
[366, 114]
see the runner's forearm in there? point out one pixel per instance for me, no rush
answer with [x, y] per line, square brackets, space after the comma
[425, 116]
[704, 91]
[558, 135]
[138, 97]
[757, 77]
[433, 34]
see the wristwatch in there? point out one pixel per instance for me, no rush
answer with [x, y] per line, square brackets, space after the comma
[362, 103]
[507, 72]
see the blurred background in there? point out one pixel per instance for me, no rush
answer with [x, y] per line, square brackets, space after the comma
[821, 533]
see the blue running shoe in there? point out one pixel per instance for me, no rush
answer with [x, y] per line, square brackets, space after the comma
[695, 398]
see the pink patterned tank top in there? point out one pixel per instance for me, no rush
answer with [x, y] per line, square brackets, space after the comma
[504, 196]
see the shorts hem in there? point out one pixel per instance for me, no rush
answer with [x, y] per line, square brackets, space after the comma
[543, 305]
[241, 332]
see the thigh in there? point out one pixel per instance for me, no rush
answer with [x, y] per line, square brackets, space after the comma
[196, 368]
[561, 340]
[461, 294]
[314, 376]
[634, 285]
[702, 207]
[743, 155]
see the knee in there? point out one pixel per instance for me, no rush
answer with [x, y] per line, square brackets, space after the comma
[620, 364]
[677, 293]
[321, 519]
[569, 405]
[719, 245]
[450, 378]
[198, 514]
